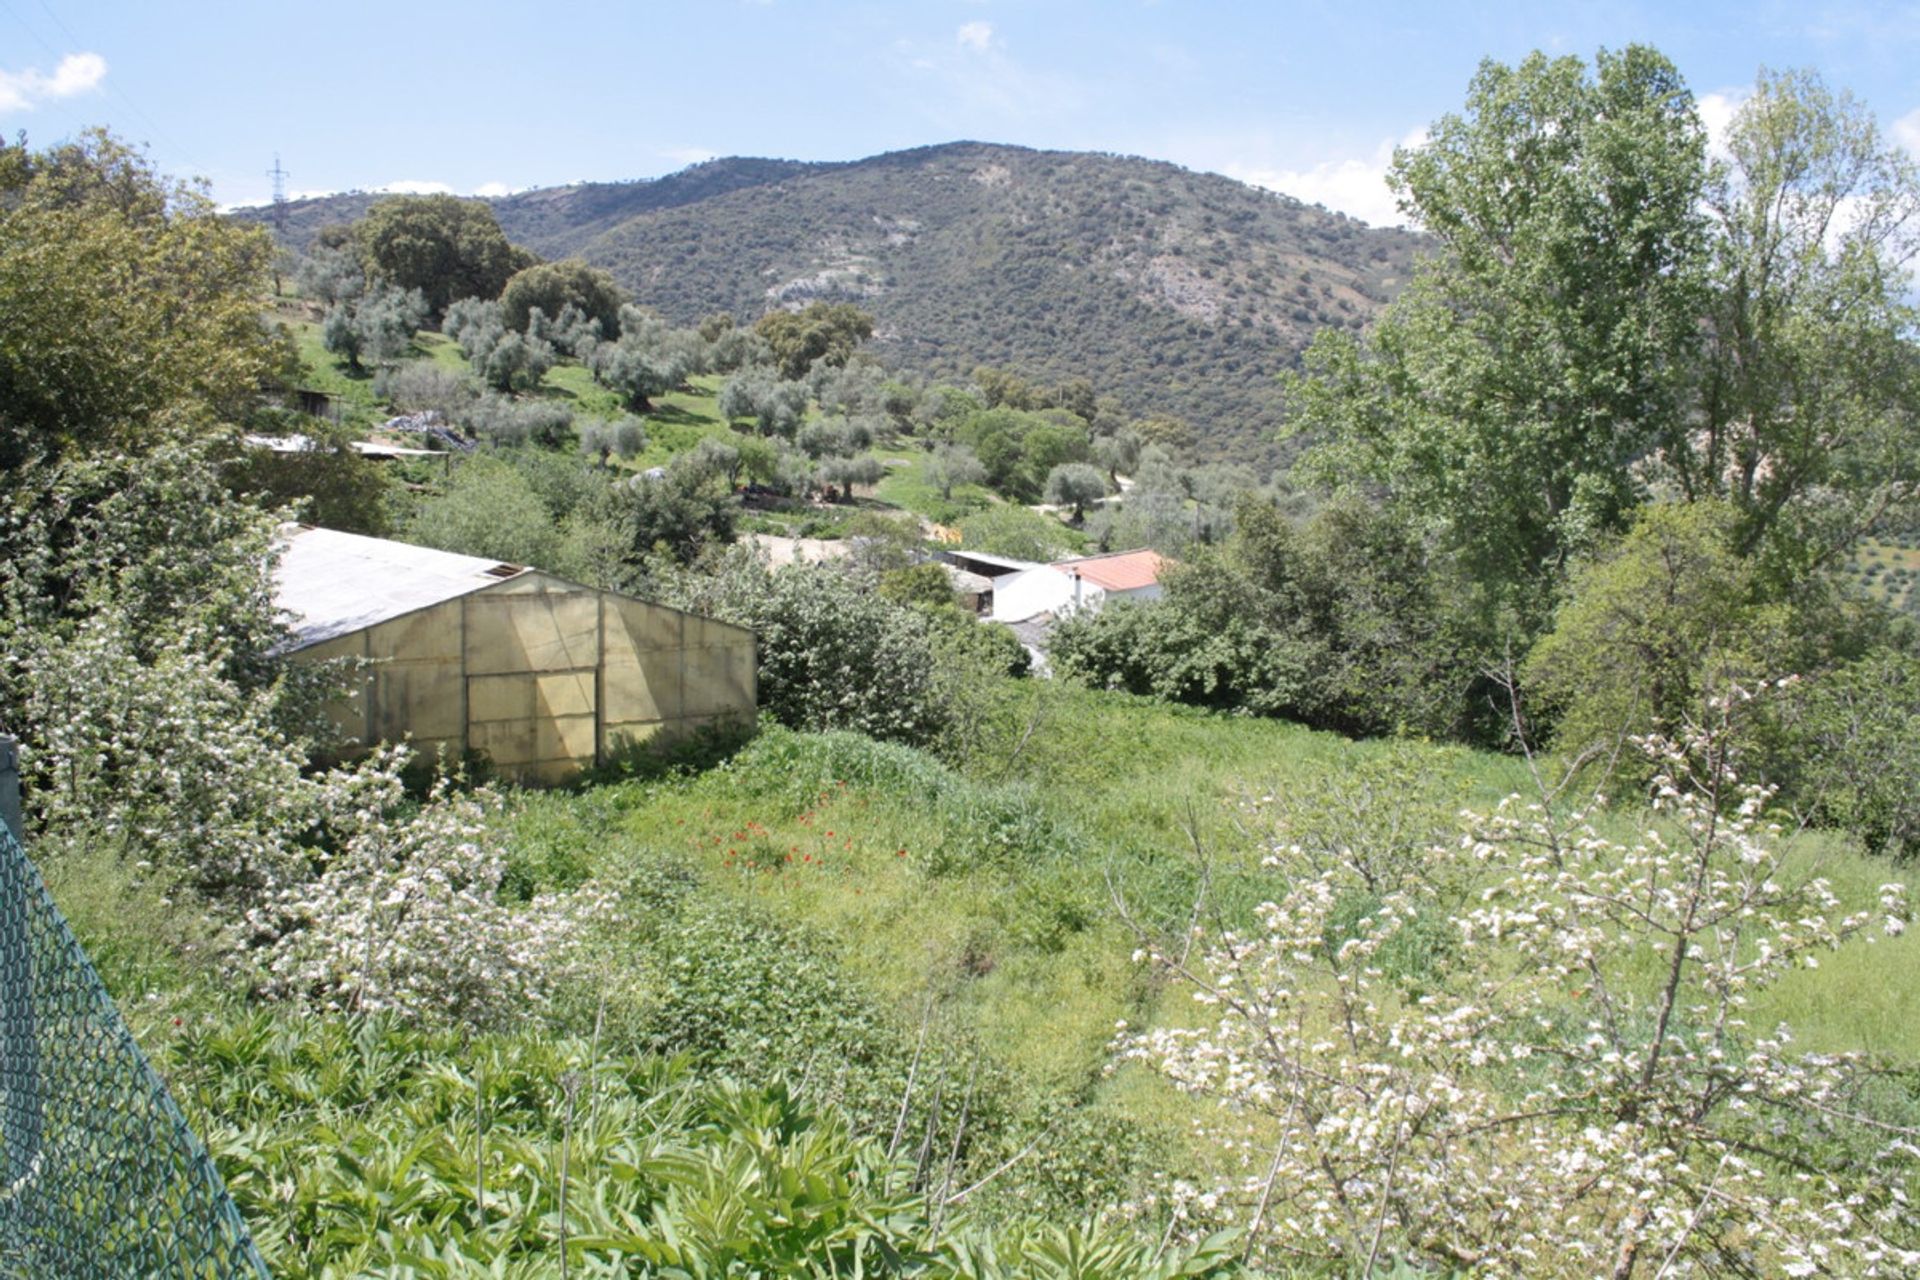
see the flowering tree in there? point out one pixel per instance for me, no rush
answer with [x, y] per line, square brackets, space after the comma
[404, 913]
[1535, 1058]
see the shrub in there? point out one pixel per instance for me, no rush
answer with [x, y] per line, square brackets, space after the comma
[834, 654]
[404, 913]
[1548, 1058]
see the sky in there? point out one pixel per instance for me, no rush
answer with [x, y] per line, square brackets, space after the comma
[481, 97]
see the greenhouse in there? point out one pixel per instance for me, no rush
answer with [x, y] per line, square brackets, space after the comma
[541, 676]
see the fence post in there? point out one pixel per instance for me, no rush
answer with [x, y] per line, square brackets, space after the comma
[10, 786]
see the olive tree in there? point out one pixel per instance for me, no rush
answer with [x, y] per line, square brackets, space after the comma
[1075, 484]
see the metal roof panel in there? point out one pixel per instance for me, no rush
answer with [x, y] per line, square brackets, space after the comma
[334, 583]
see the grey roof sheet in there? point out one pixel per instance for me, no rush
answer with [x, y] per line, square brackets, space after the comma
[1008, 564]
[333, 583]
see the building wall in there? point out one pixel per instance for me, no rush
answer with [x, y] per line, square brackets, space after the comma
[1023, 595]
[543, 676]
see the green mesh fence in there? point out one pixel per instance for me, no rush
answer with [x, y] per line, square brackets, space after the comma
[99, 1174]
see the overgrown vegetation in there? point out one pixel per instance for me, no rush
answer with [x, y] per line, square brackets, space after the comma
[902, 982]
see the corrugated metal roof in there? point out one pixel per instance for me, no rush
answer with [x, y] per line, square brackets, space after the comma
[1007, 564]
[334, 583]
[1119, 571]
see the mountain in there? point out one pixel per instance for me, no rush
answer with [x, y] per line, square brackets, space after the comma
[1183, 293]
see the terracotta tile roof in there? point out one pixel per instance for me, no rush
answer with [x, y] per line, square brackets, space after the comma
[1119, 571]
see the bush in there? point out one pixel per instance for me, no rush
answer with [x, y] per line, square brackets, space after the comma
[1341, 622]
[833, 653]
[405, 912]
[1849, 750]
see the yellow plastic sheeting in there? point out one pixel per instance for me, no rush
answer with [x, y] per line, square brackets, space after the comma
[542, 676]
[532, 624]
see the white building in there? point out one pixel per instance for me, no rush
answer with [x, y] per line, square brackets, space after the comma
[1070, 585]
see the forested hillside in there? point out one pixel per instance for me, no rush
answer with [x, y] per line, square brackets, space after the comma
[1182, 293]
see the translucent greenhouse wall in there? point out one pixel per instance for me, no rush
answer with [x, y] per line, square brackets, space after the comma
[543, 676]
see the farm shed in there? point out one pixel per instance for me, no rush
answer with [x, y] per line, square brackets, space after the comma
[543, 676]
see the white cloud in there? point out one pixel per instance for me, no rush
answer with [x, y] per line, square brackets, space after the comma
[77, 73]
[493, 189]
[1353, 186]
[415, 187]
[977, 36]
[1717, 111]
[1906, 131]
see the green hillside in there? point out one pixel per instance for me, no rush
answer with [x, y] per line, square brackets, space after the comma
[1183, 293]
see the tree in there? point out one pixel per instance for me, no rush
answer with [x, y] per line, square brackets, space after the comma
[1172, 434]
[327, 483]
[1118, 452]
[506, 360]
[420, 385]
[1342, 622]
[776, 407]
[488, 507]
[849, 471]
[445, 246]
[824, 331]
[1807, 421]
[680, 514]
[1654, 629]
[884, 544]
[1612, 316]
[1075, 484]
[1005, 389]
[636, 373]
[942, 409]
[554, 286]
[128, 306]
[1007, 530]
[1850, 754]
[834, 653]
[713, 458]
[834, 437]
[648, 360]
[1549, 343]
[1018, 448]
[378, 324]
[953, 465]
[332, 275]
[508, 421]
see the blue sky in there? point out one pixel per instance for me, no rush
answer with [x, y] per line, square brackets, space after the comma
[1308, 98]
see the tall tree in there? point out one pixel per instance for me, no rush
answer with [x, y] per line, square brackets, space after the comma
[829, 331]
[552, 286]
[1546, 346]
[128, 305]
[1809, 421]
